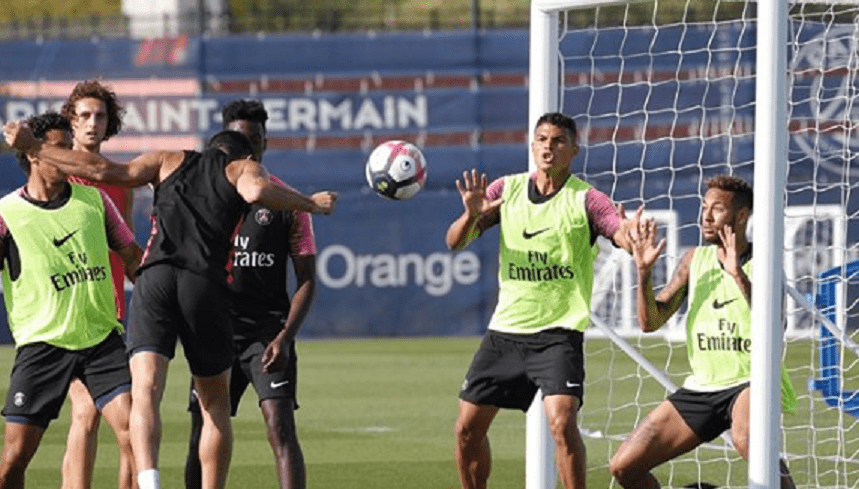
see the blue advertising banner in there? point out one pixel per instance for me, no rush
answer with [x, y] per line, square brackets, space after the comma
[650, 126]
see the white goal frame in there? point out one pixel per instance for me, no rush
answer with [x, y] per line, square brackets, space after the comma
[769, 176]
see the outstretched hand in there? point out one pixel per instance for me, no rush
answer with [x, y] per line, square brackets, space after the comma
[324, 201]
[642, 239]
[18, 135]
[727, 253]
[472, 190]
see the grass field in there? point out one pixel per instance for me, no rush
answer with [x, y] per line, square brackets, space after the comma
[380, 413]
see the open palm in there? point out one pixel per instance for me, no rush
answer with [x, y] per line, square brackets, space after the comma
[645, 249]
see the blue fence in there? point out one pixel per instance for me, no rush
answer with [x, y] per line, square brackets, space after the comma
[383, 267]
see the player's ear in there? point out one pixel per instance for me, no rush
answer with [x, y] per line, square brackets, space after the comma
[743, 217]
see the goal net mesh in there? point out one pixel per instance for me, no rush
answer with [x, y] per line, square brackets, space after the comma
[664, 96]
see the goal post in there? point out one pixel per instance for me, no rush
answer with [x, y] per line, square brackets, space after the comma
[770, 170]
[749, 121]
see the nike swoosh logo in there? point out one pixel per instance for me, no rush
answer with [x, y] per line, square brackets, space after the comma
[275, 385]
[572, 384]
[527, 235]
[719, 305]
[59, 242]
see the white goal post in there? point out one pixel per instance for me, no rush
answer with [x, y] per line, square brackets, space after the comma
[546, 81]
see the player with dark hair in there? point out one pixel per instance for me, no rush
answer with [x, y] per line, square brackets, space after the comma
[716, 279]
[265, 319]
[95, 115]
[54, 239]
[181, 291]
[549, 223]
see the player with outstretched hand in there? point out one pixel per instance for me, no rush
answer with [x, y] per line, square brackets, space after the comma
[549, 224]
[265, 318]
[182, 291]
[716, 279]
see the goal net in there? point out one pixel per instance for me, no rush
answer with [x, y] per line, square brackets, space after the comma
[664, 96]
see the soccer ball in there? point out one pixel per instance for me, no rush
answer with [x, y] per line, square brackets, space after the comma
[396, 170]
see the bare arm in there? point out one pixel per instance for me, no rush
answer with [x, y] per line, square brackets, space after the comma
[621, 237]
[131, 256]
[654, 311]
[305, 273]
[254, 184]
[127, 210]
[728, 255]
[140, 171]
[478, 212]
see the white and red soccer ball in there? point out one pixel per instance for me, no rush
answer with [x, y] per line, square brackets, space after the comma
[396, 170]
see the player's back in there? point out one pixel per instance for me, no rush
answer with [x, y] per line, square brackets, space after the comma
[195, 213]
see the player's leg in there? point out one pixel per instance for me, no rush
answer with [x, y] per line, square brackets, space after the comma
[192, 461]
[148, 378]
[662, 436]
[561, 411]
[554, 361]
[193, 470]
[108, 382]
[151, 343]
[280, 422]
[216, 437]
[495, 379]
[36, 391]
[740, 435]
[473, 454]
[79, 459]
[116, 413]
[207, 339]
[277, 391]
[19, 445]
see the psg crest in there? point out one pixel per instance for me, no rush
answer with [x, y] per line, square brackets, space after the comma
[263, 217]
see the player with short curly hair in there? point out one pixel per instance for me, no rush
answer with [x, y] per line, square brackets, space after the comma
[40, 125]
[54, 240]
[95, 115]
[94, 89]
[716, 280]
[181, 291]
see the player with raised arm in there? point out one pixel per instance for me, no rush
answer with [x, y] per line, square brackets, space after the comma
[182, 290]
[54, 240]
[549, 224]
[716, 279]
[265, 320]
[95, 116]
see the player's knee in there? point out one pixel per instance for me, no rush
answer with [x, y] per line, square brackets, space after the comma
[564, 429]
[85, 420]
[740, 439]
[15, 460]
[465, 434]
[624, 472]
[281, 431]
[617, 469]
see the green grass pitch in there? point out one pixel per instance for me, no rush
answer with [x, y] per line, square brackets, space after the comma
[379, 413]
